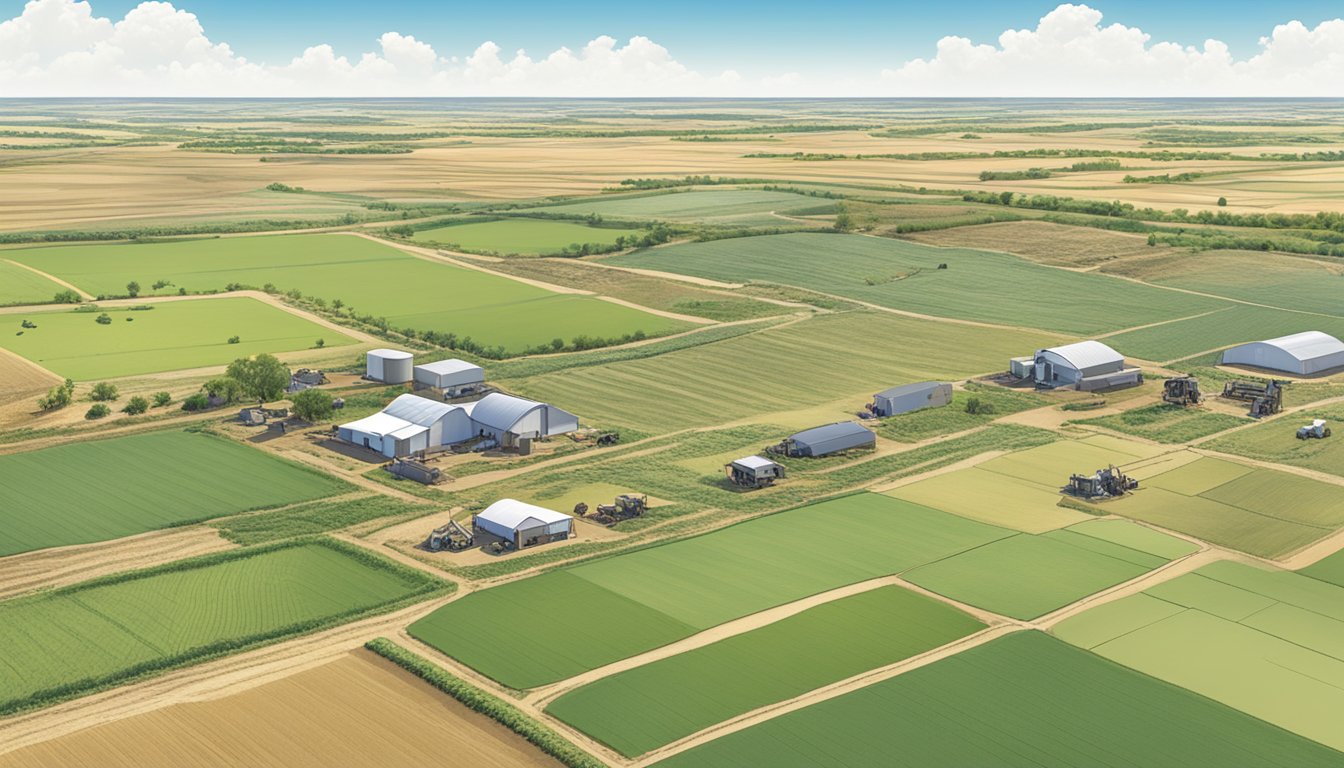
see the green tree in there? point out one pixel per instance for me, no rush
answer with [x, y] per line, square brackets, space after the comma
[320, 343]
[103, 391]
[312, 405]
[58, 396]
[1222, 202]
[97, 411]
[161, 399]
[133, 289]
[67, 297]
[224, 388]
[103, 319]
[136, 406]
[235, 339]
[262, 377]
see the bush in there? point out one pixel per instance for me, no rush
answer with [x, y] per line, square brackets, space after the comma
[312, 405]
[133, 289]
[1222, 202]
[104, 391]
[161, 399]
[58, 396]
[197, 402]
[977, 407]
[103, 319]
[67, 297]
[136, 406]
[320, 343]
[97, 411]
[234, 339]
[224, 388]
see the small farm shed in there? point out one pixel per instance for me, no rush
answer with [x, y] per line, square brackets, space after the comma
[912, 397]
[410, 424]
[1303, 353]
[509, 419]
[831, 438]
[754, 471]
[451, 376]
[390, 366]
[1085, 365]
[525, 525]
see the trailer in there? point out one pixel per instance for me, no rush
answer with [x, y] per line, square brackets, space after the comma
[1266, 399]
[753, 472]
[415, 470]
[452, 537]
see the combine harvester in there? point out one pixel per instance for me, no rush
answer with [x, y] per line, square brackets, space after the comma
[626, 506]
[1265, 399]
[1316, 429]
[452, 537]
[1103, 484]
[1182, 390]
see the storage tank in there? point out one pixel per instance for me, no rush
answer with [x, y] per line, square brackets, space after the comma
[391, 366]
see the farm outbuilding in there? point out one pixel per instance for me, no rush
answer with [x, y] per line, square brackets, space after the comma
[452, 376]
[1303, 353]
[390, 366]
[522, 524]
[408, 425]
[831, 438]
[912, 397]
[1085, 365]
[510, 419]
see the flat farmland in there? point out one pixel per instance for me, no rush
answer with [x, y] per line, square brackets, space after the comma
[1277, 441]
[356, 709]
[714, 206]
[1167, 423]
[1041, 241]
[603, 611]
[528, 237]
[993, 498]
[1235, 325]
[1281, 632]
[929, 422]
[671, 698]
[371, 278]
[105, 489]
[78, 639]
[1023, 700]
[1306, 284]
[976, 285]
[783, 369]
[172, 336]
[1050, 465]
[23, 286]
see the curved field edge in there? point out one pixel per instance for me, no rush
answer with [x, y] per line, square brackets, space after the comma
[423, 587]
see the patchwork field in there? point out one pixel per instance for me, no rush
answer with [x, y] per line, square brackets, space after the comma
[23, 286]
[370, 278]
[930, 422]
[994, 498]
[1237, 506]
[84, 637]
[531, 237]
[789, 368]
[171, 336]
[105, 489]
[675, 697]
[356, 709]
[1277, 441]
[714, 206]
[1043, 242]
[975, 285]
[1223, 328]
[1167, 423]
[1022, 700]
[1281, 633]
[603, 611]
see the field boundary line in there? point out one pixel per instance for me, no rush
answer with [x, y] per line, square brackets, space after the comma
[83, 294]
[1160, 323]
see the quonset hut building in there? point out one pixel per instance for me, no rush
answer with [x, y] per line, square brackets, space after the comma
[1303, 354]
[1085, 365]
[828, 439]
[411, 424]
[522, 524]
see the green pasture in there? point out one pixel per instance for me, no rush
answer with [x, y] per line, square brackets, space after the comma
[976, 285]
[672, 698]
[370, 278]
[1051, 465]
[1330, 569]
[1025, 700]
[23, 286]
[1224, 328]
[713, 206]
[1167, 423]
[931, 422]
[610, 609]
[1289, 282]
[784, 369]
[171, 336]
[98, 490]
[1277, 441]
[1282, 633]
[993, 498]
[529, 237]
[81, 638]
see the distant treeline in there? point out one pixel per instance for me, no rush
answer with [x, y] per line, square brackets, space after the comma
[1160, 155]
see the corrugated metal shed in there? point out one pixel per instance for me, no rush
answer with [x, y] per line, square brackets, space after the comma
[1067, 364]
[1301, 353]
[449, 374]
[832, 438]
[912, 397]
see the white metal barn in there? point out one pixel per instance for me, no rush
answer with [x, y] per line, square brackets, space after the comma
[522, 524]
[912, 397]
[410, 424]
[1086, 365]
[451, 376]
[1301, 353]
[509, 419]
[391, 366]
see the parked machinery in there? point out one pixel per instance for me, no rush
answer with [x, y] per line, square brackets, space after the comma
[1316, 429]
[415, 470]
[626, 506]
[1265, 399]
[753, 472]
[1102, 484]
[452, 537]
[607, 438]
[1182, 390]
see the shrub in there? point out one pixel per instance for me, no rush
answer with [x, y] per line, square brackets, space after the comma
[234, 339]
[67, 297]
[103, 319]
[1222, 202]
[103, 391]
[976, 406]
[161, 399]
[197, 402]
[136, 406]
[312, 405]
[224, 388]
[320, 343]
[58, 396]
[97, 411]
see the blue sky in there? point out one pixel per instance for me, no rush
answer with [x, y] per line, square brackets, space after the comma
[750, 37]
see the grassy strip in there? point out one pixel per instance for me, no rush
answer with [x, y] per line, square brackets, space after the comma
[313, 518]
[428, 586]
[488, 704]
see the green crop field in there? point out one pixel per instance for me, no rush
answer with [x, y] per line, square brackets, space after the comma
[1051, 465]
[1224, 328]
[1282, 633]
[1330, 569]
[529, 237]
[80, 638]
[171, 336]
[783, 369]
[1277, 441]
[369, 277]
[1289, 282]
[714, 206]
[669, 699]
[1027, 576]
[993, 498]
[603, 611]
[1237, 506]
[1167, 423]
[976, 285]
[930, 422]
[23, 286]
[1023, 700]
[105, 489]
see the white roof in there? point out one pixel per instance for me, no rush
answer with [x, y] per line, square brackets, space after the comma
[1307, 345]
[500, 411]
[390, 354]
[419, 410]
[511, 513]
[754, 462]
[443, 367]
[383, 424]
[1085, 354]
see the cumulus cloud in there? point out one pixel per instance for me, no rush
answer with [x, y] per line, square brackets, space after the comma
[1071, 53]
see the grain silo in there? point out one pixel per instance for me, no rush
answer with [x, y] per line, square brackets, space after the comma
[391, 366]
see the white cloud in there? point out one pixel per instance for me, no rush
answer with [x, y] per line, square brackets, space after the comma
[60, 48]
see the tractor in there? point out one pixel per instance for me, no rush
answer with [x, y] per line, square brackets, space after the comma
[1182, 390]
[1316, 429]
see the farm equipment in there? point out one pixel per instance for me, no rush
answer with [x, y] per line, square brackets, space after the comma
[627, 505]
[415, 470]
[1182, 390]
[306, 378]
[1316, 429]
[1102, 484]
[28, 324]
[606, 438]
[452, 537]
[753, 472]
[1265, 399]
[252, 417]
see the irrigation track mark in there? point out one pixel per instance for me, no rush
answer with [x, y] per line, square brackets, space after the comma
[83, 294]
[1161, 323]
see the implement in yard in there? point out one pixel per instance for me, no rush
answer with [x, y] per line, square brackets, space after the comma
[1103, 484]
[452, 537]
[1266, 399]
